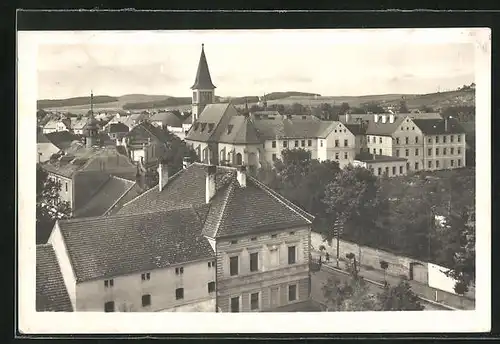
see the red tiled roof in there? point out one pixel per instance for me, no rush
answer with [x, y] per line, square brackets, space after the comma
[51, 293]
[103, 247]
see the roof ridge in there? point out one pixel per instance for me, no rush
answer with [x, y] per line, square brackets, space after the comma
[119, 198]
[230, 192]
[83, 219]
[282, 199]
[154, 187]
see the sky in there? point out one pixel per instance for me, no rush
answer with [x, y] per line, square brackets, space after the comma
[328, 62]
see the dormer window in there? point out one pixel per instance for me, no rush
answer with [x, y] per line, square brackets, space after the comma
[196, 125]
[203, 126]
[229, 128]
[210, 127]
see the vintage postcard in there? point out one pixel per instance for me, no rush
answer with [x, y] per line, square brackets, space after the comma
[227, 181]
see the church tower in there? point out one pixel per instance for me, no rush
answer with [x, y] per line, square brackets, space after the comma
[203, 88]
[92, 128]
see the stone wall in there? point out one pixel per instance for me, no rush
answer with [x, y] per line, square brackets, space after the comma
[370, 257]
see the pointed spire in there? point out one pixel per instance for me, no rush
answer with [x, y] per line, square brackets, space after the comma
[91, 104]
[203, 79]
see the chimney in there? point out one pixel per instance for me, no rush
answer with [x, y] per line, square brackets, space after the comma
[375, 118]
[384, 118]
[446, 124]
[241, 175]
[162, 175]
[210, 183]
[391, 118]
[347, 117]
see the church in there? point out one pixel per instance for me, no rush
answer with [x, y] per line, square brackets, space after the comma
[221, 134]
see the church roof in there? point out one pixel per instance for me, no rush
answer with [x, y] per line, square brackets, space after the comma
[203, 79]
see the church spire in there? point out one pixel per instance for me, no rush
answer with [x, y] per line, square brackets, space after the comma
[91, 104]
[203, 80]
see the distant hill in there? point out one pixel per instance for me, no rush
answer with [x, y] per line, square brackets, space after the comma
[143, 101]
[51, 103]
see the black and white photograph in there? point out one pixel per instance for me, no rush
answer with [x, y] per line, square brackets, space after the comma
[319, 173]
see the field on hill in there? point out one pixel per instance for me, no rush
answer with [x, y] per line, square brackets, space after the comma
[154, 102]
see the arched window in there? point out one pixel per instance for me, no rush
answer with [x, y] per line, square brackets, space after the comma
[239, 159]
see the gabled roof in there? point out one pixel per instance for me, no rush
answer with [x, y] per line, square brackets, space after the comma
[78, 158]
[79, 123]
[232, 211]
[384, 129]
[146, 130]
[103, 247]
[211, 122]
[118, 128]
[203, 80]
[108, 194]
[62, 139]
[437, 127]
[51, 292]
[167, 118]
[356, 129]
[282, 127]
[240, 130]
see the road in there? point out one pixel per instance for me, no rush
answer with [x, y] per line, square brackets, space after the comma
[320, 277]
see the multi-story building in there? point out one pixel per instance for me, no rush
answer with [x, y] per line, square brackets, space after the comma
[443, 143]
[209, 238]
[85, 172]
[260, 240]
[425, 141]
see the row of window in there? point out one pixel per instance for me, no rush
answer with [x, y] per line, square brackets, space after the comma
[255, 299]
[296, 143]
[407, 140]
[273, 236]
[445, 138]
[234, 263]
[146, 298]
[346, 143]
[346, 155]
[429, 151]
[437, 164]
[109, 283]
[395, 169]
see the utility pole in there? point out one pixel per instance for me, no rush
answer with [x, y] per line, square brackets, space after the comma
[338, 227]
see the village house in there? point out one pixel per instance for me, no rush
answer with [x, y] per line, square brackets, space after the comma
[117, 131]
[145, 145]
[260, 240]
[54, 125]
[83, 170]
[381, 165]
[209, 238]
[78, 124]
[169, 121]
[53, 143]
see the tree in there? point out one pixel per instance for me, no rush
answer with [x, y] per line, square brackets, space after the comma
[352, 197]
[373, 107]
[463, 263]
[384, 265]
[344, 107]
[297, 109]
[403, 107]
[399, 298]
[49, 207]
[426, 109]
[351, 295]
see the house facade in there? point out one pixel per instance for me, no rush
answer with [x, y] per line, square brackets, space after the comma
[260, 240]
[99, 277]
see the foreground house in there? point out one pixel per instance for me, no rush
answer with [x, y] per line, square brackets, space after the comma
[260, 240]
[206, 239]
